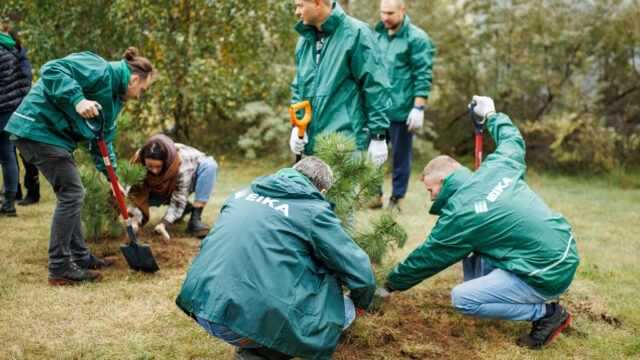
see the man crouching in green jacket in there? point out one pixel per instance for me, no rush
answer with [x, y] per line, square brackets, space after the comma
[269, 276]
[529, 253]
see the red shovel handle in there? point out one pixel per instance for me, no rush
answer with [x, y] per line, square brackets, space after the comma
[107, 163]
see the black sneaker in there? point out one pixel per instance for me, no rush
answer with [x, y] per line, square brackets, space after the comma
[72, 274]
[94, 263]
[545, 330]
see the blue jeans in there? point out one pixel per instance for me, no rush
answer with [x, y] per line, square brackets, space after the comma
[8, 158]
[500, 294]
[233, 338]
[206, 175]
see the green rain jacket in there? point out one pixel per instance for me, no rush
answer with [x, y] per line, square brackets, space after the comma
[348, 89]
[408, 58]
[273, 267]
[493, 213]
[48, 115]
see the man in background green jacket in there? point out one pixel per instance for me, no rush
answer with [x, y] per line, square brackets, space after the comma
[340, 73]
[407, 54]
[269, 276]
[493, 213]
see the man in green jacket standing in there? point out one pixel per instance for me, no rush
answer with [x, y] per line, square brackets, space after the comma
[530, 250]
[340, 73]
[407, 54]
[49, 124]
[269, 276]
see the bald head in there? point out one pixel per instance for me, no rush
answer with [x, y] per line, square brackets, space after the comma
[440, 167]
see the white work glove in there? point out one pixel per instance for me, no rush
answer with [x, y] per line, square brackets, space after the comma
[295, 143]
[378, 151]
[383, 293]
[484, 106]
[415, 120]
[160, 229]
[88, 109]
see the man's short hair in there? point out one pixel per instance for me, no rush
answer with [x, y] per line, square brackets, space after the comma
[442, 165]
[397, 3]
[317, 171]
[326, 2]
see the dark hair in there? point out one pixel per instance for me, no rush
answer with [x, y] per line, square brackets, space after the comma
[138, 64]
[154, 150]
[13, 33]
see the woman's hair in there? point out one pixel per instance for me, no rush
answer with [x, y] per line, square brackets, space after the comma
[138, 64]
[154, 150]
[12, 32]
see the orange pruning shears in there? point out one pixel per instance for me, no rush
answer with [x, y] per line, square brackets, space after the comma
[301, 124]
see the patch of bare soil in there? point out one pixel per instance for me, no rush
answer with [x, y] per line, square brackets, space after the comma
[419, 325]
[589, 310]
[178, 252]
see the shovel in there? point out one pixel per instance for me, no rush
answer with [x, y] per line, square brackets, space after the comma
[301, 124]
[478, 128]
[139, 257]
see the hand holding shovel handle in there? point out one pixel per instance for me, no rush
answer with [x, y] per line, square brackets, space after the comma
[478, 129]
[301, 124]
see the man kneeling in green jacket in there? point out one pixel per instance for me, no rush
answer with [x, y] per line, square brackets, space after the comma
[269, 276]
[527, 252]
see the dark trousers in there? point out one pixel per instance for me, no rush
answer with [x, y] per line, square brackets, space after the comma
[56, 164]
[401, 149]
[31, 179]
[8, 158]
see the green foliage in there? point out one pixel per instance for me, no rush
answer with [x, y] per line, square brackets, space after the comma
[356, 178]
[100, 211]
[265, 132]
[385, 233]
[576, 143]
[215, 59]
[356, 181]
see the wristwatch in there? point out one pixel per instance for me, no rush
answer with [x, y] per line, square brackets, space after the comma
[379, 137]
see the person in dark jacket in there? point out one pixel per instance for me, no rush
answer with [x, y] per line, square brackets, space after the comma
[15, 82]
[529, 251]
[269, 276]
[48, 126]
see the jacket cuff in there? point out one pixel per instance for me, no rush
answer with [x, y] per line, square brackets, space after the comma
[165, 222]
[76, 100]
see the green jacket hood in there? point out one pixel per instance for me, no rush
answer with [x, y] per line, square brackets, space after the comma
[120, 82]
[7, 41]
[450, 186]
[287, 184]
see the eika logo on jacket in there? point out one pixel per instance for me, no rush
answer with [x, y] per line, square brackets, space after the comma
[497, 191]
[265, 200]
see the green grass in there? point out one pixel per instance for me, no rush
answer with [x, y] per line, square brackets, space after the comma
[133, 316]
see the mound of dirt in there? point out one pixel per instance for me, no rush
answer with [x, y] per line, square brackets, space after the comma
[416, 325]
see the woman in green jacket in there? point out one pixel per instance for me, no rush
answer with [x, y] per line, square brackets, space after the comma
[49, 124]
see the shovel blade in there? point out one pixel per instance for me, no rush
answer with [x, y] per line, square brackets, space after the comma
[140, 257]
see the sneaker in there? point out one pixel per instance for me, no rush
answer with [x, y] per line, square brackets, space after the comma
[72, 274]
[94, 263]
[395, 203]
[375, 204]
[544, 330]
